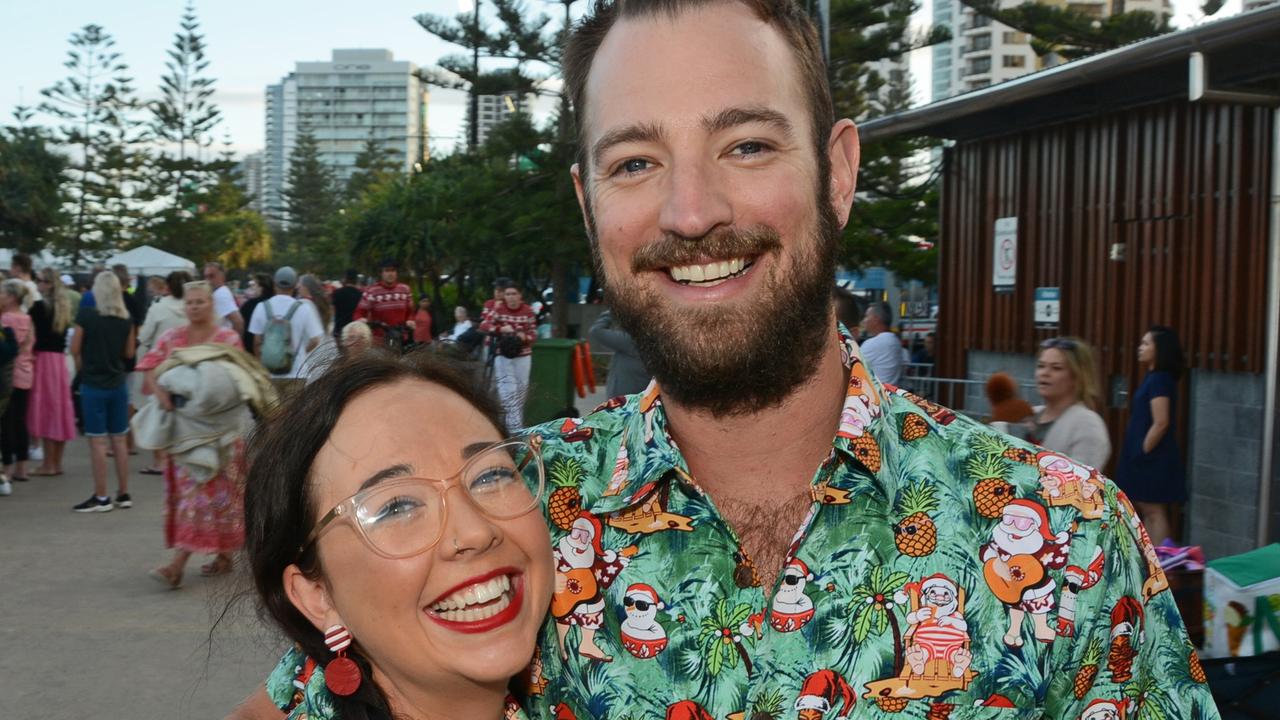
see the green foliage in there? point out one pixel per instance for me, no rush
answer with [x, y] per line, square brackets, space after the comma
[312, 239]
[185, 114]
[1072, 34]
[31, 178]
[96, 103]
[376, 163]
[897, 199]
[717, 635]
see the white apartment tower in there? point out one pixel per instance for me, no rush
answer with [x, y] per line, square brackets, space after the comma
[251, 173]
[356, 96]
[983, 52]
[494, 110]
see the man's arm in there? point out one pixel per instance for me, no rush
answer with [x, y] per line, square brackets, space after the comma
[257, 706]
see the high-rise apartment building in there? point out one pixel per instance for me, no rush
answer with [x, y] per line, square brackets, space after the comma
[250, 170]
[355, 97]
[983, 52]
[494, 110]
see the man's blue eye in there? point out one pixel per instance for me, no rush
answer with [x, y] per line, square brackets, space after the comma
[634, 165]
[751, 147]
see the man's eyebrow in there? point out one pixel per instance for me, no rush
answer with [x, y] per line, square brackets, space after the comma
[735, 116]
[400, 470]
[638, 132]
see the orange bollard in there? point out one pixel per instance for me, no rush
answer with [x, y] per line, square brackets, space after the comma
[590, 366]
[578, 370]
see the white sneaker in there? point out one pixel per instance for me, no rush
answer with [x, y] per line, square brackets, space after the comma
[6, 488]
[35, 453]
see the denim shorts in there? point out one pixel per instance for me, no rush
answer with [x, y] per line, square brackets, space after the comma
[106, 410]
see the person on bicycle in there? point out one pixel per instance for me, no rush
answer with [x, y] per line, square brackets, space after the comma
[387, 305]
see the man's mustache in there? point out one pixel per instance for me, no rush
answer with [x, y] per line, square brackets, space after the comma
[722, 244]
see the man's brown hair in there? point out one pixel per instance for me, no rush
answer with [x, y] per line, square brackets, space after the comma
[786, 16]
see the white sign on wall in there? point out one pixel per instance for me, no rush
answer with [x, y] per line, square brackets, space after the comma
[1004, 261]
[1048, 308]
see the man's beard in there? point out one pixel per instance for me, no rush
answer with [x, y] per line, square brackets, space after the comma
[732, 359]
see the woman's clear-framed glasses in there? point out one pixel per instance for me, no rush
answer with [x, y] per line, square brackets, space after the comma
[403, 517]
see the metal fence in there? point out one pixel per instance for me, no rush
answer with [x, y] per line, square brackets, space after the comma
[959, 394]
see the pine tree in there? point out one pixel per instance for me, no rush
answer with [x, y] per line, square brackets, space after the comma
[96, 103]
[31, 178]
[375, 163]
[897, 190]
[185, 115]
[311, 203]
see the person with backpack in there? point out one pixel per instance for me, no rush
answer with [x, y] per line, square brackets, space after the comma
[285, 329]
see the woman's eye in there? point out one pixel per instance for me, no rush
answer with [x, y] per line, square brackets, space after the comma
[395, 508]
[492, 479]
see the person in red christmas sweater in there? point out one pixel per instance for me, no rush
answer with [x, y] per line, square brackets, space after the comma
[515, 326]
[386, 304]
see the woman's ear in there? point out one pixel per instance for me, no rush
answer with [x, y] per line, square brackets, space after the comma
[311, 597]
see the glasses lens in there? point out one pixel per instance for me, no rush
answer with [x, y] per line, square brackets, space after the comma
[504, 481]
[401, 518]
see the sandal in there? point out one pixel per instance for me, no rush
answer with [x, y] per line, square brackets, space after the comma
[42, 472]
[167, 576]
[219, 566]
[148, 471]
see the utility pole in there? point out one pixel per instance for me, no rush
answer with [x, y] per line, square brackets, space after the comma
[473, 139]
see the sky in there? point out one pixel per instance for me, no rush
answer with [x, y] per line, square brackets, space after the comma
[253, 44]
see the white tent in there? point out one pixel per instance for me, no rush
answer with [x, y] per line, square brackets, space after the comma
[146, 260]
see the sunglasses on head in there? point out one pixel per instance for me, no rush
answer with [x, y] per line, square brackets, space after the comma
[1058, 343]
[641, 605]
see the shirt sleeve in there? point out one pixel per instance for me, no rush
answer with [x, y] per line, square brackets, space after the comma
[159, 353]
[362, 308]
[259, 318]
[1127, 644]
[1161, 385]
[223, 302]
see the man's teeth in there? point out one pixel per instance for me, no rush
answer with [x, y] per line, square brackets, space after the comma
[715, 272]
[461, 606]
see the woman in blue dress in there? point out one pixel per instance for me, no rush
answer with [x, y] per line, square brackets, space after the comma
[1151, 472]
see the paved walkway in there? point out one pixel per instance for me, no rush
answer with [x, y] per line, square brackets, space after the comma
[84, 633]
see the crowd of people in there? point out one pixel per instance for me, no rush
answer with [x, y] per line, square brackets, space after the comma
[771, 526]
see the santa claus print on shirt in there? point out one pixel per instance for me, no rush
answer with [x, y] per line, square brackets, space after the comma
[584, 570]
[937, 633]
[1016, 562]
[792, 609]
[823, 692]
[642, 635]
[1064, 481]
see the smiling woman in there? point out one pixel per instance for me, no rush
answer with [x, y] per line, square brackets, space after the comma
[403, 596]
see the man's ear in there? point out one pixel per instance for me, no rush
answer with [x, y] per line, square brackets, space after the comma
[844, 152]
[311, 597]
[576, 171]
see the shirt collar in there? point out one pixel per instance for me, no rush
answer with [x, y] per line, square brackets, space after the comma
[649, 455]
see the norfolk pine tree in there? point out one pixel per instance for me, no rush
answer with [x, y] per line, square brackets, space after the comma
[311, 203]
[94, 102]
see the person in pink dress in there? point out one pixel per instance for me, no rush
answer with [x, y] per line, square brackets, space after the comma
[199, 517]
[14, 440]
[51, 416]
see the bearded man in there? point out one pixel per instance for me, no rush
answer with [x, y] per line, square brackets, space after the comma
[714, 184]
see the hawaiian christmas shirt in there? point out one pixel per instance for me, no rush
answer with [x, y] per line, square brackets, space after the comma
[944, 570]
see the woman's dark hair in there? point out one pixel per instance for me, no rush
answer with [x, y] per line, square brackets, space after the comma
[267, 285]
[1168, 350]
[280, 510]
[176, 280]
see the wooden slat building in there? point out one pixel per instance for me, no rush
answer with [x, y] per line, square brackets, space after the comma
[1142, 207]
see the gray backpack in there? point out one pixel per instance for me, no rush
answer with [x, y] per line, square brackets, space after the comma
[277, 339]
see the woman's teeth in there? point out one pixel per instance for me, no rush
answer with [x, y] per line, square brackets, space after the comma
[710, 274]
[476, 602]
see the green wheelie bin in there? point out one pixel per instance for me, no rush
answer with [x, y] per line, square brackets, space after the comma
[550, 380]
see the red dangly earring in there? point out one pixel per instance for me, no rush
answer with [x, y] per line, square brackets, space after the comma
[341, 675]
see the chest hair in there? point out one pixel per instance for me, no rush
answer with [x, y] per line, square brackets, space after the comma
[766, 529]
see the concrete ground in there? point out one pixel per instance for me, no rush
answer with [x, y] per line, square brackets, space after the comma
[85, 633]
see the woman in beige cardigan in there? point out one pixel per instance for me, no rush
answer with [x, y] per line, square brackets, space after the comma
[1068, 422]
